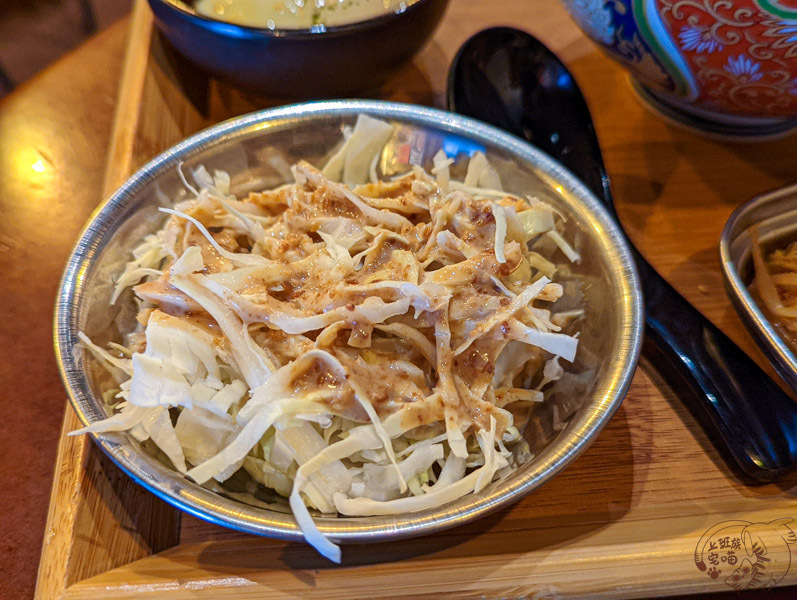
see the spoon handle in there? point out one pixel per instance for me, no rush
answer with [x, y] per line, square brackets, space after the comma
[745, 414]
[749, 416]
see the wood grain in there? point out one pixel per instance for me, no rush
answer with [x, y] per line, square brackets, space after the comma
[107, 523]
[513, 558]
[128, 105]
[99, 518]
[623, 520]
[54, 133]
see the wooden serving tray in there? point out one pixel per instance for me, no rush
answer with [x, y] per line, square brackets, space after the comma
[623, 521]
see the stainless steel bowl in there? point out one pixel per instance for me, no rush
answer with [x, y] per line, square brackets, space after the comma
[775, 216]
[256, 149]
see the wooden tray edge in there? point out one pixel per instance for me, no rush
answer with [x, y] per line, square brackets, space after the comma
[53, 575]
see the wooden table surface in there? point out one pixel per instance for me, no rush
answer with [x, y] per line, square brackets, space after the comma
[61, 123]
[54, 135]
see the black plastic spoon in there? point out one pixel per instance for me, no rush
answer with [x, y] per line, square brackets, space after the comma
[510, 79]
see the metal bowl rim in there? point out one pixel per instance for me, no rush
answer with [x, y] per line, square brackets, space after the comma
[178, 491]
[765, 335]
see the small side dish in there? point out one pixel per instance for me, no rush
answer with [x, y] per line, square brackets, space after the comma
[361, 346]
[757, 253]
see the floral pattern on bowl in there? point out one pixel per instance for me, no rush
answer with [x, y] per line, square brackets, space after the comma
[727, 61]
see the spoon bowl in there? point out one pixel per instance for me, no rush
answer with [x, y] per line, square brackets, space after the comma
[509, 79]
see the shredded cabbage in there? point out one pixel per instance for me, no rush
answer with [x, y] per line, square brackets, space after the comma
[499, 213]
[351, 163]
[367, 350]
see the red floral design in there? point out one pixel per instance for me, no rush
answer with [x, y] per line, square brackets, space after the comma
[742, 58]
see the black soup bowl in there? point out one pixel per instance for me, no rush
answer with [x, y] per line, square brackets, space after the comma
[306, 63]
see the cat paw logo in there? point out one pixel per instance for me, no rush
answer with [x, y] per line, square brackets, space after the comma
[747, 555]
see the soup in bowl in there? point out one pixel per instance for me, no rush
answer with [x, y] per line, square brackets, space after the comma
[298, 14]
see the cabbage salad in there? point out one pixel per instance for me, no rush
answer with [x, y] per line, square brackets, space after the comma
[361, 348]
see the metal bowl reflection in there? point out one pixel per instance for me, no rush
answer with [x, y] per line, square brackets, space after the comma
[252, 148]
